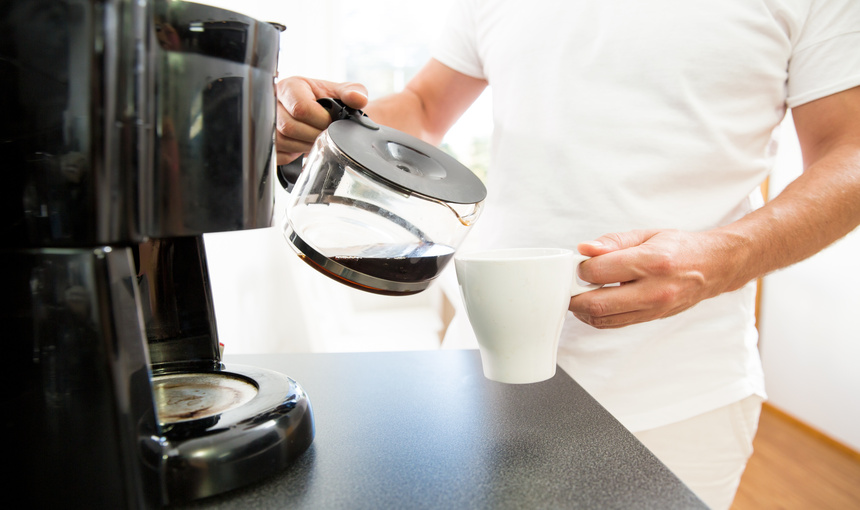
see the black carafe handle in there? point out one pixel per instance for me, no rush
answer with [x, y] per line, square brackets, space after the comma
[288, 174]
[340, 111]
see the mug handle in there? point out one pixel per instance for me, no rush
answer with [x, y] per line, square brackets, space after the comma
[578, 286]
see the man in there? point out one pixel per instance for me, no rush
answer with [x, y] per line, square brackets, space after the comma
[637, 132]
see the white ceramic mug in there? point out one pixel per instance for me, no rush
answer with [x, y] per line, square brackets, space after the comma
[516, 300]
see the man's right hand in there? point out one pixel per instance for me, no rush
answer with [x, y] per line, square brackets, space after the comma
[301, 119]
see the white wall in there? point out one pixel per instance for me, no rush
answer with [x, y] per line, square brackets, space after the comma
[810, 326]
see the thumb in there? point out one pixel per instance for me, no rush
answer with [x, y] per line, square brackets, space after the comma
[353, 94]
[615, 241]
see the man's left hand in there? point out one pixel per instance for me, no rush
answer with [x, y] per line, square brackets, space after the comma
[660, 272]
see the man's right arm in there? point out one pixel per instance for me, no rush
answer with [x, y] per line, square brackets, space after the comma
[429, 105]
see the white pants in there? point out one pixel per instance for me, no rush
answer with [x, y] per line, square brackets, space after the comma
[709, 452]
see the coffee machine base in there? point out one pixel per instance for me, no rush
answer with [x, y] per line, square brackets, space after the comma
[99, 424]
[224, 429]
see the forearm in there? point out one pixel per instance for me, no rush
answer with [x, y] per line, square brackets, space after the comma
[430, 104]
[818, 208]
[403, 111]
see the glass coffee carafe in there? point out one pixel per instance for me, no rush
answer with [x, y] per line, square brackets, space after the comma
[378, 209]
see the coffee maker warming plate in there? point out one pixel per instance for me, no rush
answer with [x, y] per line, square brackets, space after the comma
[181, 397]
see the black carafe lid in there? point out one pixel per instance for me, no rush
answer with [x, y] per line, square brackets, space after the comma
[400, 158]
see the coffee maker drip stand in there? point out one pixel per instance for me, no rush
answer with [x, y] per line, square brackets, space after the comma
[97, 424]
[221, 426]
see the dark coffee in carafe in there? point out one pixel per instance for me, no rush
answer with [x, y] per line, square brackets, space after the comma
[416, 262]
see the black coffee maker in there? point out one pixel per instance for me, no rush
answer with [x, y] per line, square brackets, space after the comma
[128, 129]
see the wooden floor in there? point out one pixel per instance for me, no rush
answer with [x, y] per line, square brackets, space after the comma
[794, 467]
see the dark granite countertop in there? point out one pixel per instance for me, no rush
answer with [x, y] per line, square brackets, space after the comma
[426, 430]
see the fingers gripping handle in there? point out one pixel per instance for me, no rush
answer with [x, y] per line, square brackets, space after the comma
[577, 285]
[337, 110]
[340, 111]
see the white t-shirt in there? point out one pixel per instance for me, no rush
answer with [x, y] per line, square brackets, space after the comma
[616, 115]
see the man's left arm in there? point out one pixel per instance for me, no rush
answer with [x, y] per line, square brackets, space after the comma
[665, 272]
